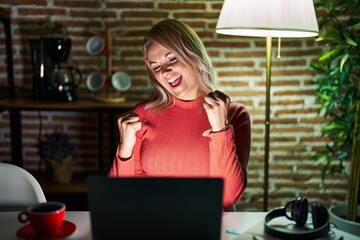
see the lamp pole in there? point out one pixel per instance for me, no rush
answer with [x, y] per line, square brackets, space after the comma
[267, 122]
[276, 18]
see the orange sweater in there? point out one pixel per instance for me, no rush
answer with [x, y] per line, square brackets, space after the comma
[171, 144]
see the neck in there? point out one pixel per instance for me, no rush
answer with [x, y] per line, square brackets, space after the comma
[188, 104]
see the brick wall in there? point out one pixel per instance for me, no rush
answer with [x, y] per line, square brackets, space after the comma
[240, 69]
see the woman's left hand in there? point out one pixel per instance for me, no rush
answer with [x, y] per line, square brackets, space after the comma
[216, 106]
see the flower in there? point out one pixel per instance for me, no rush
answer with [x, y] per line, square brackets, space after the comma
[56, 147]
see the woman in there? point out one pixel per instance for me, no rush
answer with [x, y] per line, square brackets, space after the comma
[186, 129]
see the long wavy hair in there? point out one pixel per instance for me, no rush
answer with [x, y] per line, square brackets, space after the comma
[181, 40]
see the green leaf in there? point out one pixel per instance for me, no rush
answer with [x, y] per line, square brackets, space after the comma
[319, 39]
[355, 25]
[317, 67]
[334, 71]
[350, 41]
[323, 38]
[329, 54]
[333, 33]
[333, 126]
[343, 61]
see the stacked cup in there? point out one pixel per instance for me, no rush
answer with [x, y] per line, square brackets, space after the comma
[96, 45]
[120, 81]
[97, 81]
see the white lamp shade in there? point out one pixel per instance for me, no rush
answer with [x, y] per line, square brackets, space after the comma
[262, 18]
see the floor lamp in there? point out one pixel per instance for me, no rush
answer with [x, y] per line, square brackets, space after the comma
[268, 18]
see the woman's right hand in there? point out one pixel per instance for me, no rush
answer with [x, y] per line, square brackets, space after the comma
[128, 124]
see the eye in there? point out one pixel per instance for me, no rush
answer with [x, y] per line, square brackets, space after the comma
[157, 68]
[173, 60]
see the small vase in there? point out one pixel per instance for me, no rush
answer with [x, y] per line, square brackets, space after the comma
[337, 216]
[62, 172]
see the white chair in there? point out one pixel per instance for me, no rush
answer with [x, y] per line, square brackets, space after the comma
[18, 188]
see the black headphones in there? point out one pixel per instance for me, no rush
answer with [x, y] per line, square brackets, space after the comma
[299, 214]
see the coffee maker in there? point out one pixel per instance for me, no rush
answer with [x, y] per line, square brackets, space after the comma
[51, 80]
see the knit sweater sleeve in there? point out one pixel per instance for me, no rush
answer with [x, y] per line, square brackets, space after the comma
[130, 166]
[229, 154]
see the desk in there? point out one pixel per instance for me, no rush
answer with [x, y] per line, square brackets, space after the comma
[238, 222]
[16, 105]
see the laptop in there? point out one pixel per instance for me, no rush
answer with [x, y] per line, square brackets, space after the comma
[155, 208]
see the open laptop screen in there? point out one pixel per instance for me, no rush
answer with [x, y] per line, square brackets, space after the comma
[155, 208]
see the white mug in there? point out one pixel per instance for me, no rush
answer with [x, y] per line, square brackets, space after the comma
[121, 81]
[96, 45]
[96, 81]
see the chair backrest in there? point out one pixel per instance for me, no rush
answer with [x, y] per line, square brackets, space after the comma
[18, 188]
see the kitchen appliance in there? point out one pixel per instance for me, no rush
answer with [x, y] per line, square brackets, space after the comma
[51, 80]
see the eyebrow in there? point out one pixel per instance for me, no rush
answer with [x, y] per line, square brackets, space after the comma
[167, 54]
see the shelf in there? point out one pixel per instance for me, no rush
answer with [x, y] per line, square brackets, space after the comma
[16, 105]
[76, 186]
[82, 104]
[73, 194]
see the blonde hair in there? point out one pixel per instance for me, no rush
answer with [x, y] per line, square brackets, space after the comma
[182, 41]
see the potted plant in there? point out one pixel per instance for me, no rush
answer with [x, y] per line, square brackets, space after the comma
[58, 151]
[339, 94]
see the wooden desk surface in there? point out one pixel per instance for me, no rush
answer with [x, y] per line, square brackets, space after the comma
[82, 104]
[234, 226]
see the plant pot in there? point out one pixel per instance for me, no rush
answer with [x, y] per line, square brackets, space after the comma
[337, 214]
[62, 172]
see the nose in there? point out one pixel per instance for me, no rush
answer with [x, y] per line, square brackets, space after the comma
[167, 68]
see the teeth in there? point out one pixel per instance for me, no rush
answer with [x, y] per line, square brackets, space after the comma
[173, 79]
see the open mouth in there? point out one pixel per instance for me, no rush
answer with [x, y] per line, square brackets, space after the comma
[175, 81]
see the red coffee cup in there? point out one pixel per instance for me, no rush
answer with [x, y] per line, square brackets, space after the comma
[45, 218]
